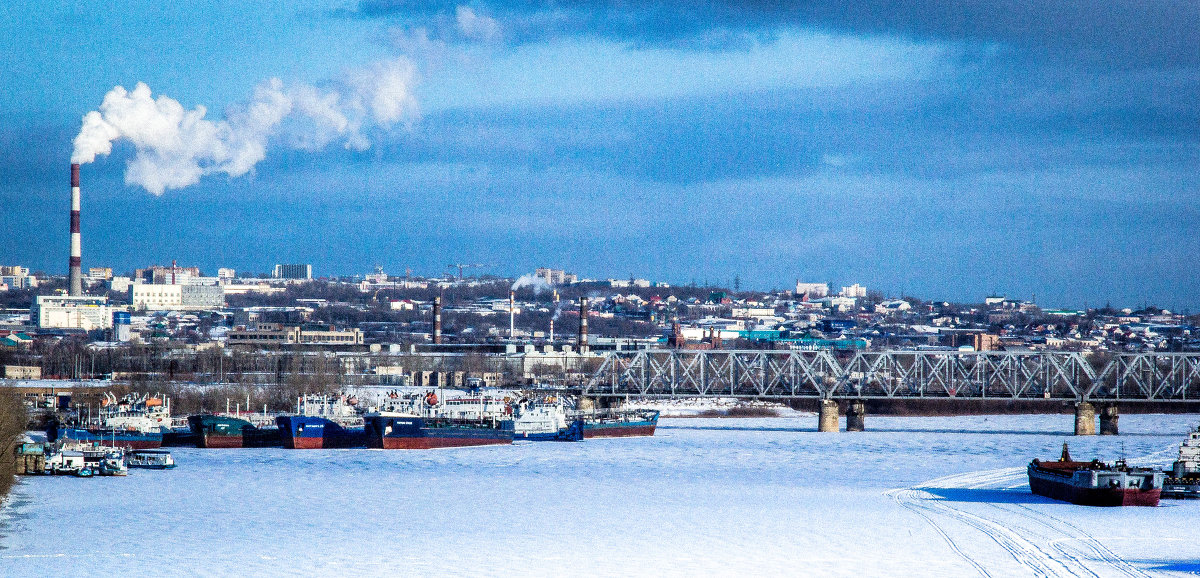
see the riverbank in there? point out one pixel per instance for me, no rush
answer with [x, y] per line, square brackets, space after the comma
[12, 426]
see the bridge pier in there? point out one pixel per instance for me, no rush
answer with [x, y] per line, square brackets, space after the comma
[827, 416]
[856, 415]
[1108, 420]
[1085, 419]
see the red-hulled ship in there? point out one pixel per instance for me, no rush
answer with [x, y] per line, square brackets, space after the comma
[1095, 483]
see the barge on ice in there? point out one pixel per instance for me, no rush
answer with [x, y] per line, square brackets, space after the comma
[1095, 483]
[618, 423]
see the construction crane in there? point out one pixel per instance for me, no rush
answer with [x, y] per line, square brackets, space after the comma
[461, 266]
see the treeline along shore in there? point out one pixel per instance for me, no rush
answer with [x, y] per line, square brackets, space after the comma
[13, 419]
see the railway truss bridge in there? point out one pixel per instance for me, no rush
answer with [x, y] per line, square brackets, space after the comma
[952, 376]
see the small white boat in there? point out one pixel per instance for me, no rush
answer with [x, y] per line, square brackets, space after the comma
[151, 459]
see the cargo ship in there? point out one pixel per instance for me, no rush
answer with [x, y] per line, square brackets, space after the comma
[389, 430]
[1095, 483]
[322, 422]
[1183, 479]
[618, 423]
[132, 421]
[108, 437]
[300, 432]
[222, 431]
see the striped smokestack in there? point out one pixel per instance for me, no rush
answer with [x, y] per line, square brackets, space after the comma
[76, 262]
[437, 320]
[583, 319]
[512, 315]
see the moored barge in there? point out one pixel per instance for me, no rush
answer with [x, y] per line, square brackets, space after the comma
[1095, 483]
[618, 423]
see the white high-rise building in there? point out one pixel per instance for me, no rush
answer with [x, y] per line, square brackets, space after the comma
[854, 290]
[84, 312]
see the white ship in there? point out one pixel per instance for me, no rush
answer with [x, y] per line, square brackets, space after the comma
[1183, 479]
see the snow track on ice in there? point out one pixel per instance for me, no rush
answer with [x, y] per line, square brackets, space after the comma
[1043, 544]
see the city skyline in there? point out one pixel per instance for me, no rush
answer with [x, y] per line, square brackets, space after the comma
[946, 151]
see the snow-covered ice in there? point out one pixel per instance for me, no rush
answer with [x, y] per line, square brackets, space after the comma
[942, 496]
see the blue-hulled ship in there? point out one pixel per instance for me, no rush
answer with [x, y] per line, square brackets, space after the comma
[389, 430]
[323, 421]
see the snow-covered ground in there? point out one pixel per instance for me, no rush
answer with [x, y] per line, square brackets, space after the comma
[940, 496]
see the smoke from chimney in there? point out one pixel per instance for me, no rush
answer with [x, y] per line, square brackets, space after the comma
[174, 146]
[75, 288]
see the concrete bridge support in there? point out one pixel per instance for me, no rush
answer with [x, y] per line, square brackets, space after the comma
[1085, 419]
[827, 416]
[856, 415]
[1108, 420]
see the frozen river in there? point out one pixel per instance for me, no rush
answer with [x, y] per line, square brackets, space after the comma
[913, 496]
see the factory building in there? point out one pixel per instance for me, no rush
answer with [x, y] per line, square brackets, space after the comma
[176, 297]
[71, 312]
[268, 334]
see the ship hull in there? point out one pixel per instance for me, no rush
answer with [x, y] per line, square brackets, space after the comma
[572, 433]
[618, 431]
[114, 438]
[413, 433]
[1061, 487]
[608, 426]
[213, 431]
[214, 441]
[306, 433]
[1181, 488]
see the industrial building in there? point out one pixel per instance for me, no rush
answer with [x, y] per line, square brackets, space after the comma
[71, 312]
[270, 334]
[176, 297]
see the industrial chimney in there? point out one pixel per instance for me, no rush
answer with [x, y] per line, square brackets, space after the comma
[437, 320]
[76, 262]
[512, 319]
[583, 319]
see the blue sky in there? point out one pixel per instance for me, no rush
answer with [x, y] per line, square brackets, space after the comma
[941, 149]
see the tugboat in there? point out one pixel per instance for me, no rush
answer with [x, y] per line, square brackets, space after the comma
[1095, 483]
[1183, 479]
[617, 423]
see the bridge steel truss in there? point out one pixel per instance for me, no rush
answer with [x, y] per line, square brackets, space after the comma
[1165, 377]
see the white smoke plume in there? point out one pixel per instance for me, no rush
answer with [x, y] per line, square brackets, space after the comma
[533, 282]
[174, 147]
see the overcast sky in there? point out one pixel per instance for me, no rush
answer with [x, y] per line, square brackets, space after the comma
[943, 149]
